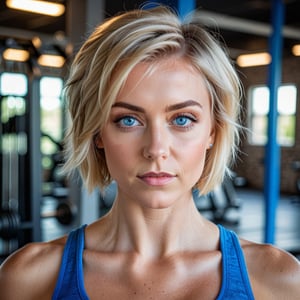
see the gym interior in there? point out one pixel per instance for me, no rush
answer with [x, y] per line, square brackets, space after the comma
[260, 201]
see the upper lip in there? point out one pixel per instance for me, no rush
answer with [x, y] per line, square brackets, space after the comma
[156, 174]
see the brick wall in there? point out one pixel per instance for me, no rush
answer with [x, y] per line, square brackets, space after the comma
[250, 165]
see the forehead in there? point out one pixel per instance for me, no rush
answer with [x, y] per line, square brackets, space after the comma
[171, 75]
[170, 65]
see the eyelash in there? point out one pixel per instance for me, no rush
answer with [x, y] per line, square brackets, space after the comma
[191, 119]
[118, 121]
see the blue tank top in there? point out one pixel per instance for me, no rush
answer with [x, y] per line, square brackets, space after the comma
[235, 280]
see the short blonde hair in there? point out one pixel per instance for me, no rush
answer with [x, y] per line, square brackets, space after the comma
[107, 57]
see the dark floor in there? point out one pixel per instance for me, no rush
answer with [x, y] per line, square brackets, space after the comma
[252, 219]
[248, 220]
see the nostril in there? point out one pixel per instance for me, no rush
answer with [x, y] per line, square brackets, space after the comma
[155, 154]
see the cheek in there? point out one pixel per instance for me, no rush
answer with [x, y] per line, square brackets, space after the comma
[119, 156]
[195, 155]
[113, 152]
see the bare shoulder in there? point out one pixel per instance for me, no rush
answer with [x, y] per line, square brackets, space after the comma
[274, 273]
[31, 272]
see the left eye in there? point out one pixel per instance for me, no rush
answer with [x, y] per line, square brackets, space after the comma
[128, 121]
[182, 121]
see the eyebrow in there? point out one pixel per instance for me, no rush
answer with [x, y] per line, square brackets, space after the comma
[168, 109]
[183, 105]
[129, 106]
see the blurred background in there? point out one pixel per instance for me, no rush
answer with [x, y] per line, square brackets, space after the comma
[261, 201]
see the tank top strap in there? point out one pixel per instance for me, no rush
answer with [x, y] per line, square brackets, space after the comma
[70, 283]
[235, 280]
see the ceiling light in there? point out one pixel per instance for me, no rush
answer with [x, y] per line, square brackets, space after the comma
[255, 59]
[36, 42]
[296, 50]
[39, 7]
[16, 54]
[50, 60]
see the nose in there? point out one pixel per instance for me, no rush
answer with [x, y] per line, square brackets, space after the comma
[157, 143]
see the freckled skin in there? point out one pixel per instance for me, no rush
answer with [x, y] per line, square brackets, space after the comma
[174, 149]
[153, 244]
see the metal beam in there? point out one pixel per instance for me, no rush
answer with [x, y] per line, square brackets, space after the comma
[25, 34]
[272, 150]
[235, 24]
[21, 34]
[209, 18]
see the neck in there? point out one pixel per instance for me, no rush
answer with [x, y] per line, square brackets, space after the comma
[155, 232]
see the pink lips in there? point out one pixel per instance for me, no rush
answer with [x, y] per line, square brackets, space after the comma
[157, 179]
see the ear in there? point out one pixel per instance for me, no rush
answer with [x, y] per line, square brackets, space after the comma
[211, 139]
[98, 141]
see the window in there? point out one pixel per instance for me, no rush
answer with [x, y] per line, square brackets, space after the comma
[13, 84]
[51, 105]
[258, 114]
[13, 90]
[51, 112]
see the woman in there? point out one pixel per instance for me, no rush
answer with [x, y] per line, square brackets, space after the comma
[154, 105]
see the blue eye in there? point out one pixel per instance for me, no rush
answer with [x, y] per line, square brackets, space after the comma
[182, 121]
[128, 121]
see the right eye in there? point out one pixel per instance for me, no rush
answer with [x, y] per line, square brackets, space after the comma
[127, 121]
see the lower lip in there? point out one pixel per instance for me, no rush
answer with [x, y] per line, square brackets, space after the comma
[157, 181]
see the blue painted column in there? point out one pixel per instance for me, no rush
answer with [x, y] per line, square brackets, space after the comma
[272, 151]
[183, 7]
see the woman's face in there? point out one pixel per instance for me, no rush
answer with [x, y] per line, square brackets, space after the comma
[158, 132]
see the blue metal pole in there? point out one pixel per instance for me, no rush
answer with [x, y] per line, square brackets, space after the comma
[183, 7]
[272, 151]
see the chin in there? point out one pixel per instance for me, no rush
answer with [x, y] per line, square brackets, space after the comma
[159, 202]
